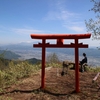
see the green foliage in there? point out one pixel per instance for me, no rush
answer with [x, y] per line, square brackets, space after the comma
[5, 98]
[95, 69]
[94, 25]
[4, 63]
[53, 58]
[2, 74]
[8, 54]
[20, 70]
[33, 61]
[15, 72]
[92, 69]
[59, 65]
[2, 54]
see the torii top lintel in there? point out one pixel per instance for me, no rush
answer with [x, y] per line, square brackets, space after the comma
[60, 36]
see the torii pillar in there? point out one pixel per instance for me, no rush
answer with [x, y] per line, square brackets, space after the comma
[59, 44]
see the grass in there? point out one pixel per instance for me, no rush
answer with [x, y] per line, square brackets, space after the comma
[15, 72]
[92, 69]
[5, 98]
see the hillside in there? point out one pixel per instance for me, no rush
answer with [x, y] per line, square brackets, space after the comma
[33, 61]
[57, 87]
[27, 51]
[5, 63]
[9, 54]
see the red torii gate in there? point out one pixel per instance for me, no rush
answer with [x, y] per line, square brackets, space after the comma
[60, 39]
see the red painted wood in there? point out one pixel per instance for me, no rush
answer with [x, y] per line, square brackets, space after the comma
[76, 67]
[60, 41]
[60, 45]
[60, 38]
[43, 66]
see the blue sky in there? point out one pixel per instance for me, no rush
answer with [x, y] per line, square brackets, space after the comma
[20, 18]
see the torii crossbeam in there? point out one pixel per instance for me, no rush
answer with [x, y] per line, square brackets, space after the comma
[60, 44]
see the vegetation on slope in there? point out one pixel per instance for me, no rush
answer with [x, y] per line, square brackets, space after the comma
[11, 71]
[33, 61]
[8, 54]
[17, 70]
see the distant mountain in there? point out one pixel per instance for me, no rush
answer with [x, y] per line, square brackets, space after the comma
[27, 51]
[16, 47]
[33, 60]
[4, 63]
[8, 54]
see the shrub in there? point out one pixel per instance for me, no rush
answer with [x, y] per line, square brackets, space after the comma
[15, 72]
[53, 58]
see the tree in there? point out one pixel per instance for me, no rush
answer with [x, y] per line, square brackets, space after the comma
[93, 25]
[53, 58]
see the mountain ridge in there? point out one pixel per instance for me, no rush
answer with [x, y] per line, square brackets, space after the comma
[8, 54]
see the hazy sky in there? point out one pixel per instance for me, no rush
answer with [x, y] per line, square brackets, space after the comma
[20, 18]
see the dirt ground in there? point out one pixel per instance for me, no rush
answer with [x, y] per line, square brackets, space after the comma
[57, 87]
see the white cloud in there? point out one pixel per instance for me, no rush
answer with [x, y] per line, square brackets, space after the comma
[63, 15]
[26, 31]
[77, 29]
[25, 41]
[70, 20]
[58, 11]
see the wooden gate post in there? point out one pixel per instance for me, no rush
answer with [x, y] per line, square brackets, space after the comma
[43, 65]
[76, 66]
